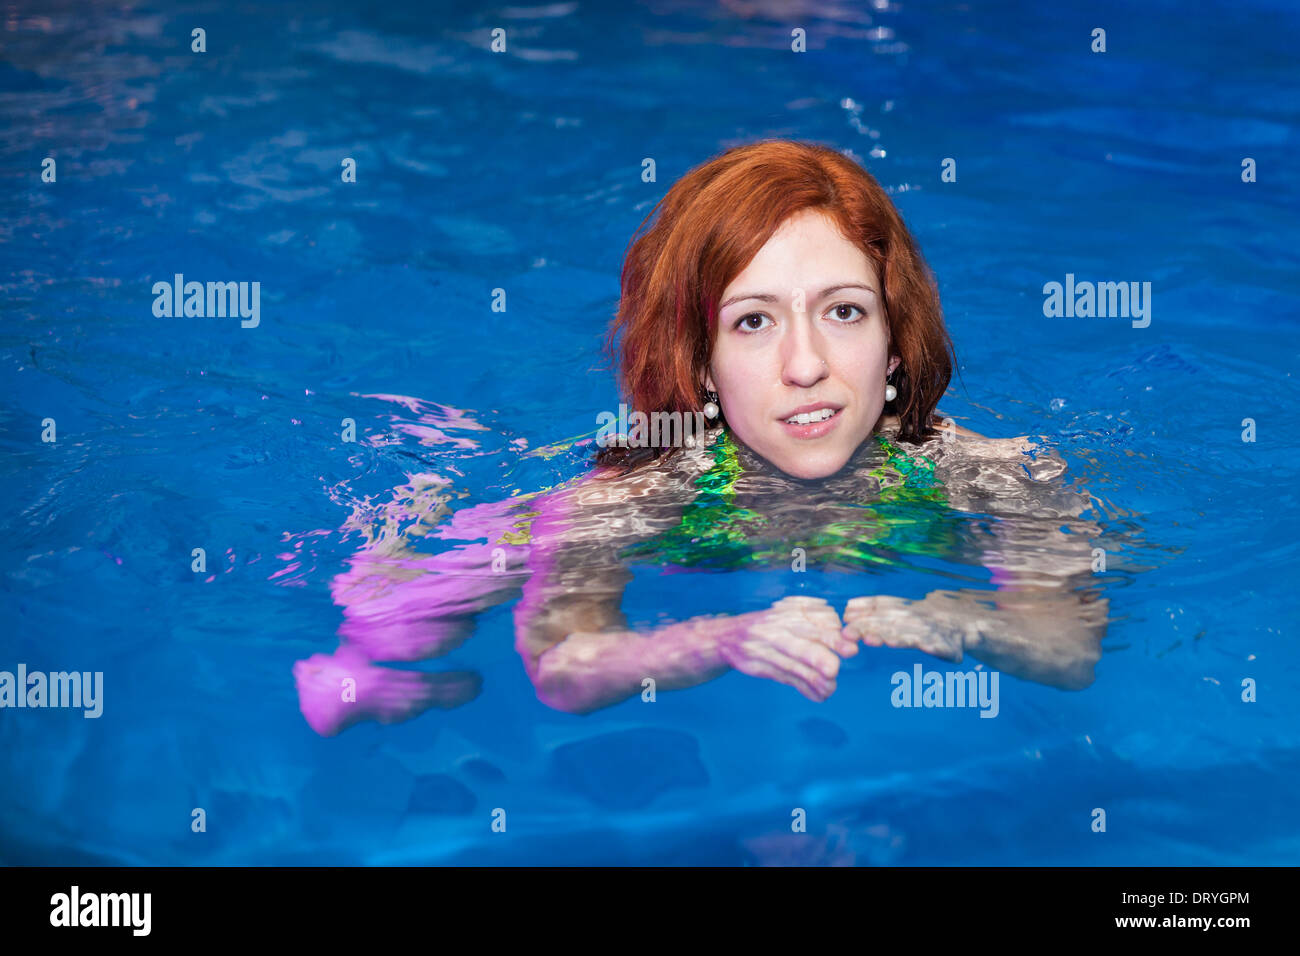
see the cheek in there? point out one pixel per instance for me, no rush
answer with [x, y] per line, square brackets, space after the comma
[862, 366]
[741, 378]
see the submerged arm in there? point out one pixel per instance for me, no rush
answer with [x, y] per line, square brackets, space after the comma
[1044, 622]
[1047, 618]
[581, 655]
[401, 605]
[797, 641]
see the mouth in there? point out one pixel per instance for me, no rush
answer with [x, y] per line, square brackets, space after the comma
[812, 421]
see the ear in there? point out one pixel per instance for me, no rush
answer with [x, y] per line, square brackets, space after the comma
[708, 380]
[894, 362]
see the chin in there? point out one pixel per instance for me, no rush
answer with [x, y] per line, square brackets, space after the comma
[809, 464]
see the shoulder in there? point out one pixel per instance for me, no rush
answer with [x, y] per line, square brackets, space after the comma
[946, 429]
[952, 438]
[948, 426]
[658, 477]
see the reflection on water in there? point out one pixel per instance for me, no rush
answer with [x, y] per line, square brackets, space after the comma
[1017, 548]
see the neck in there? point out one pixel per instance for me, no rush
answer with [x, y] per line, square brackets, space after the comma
[887, 425]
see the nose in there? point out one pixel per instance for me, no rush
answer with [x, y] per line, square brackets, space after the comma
[803, 357]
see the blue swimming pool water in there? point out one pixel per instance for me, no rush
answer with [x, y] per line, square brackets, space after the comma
[522, 171]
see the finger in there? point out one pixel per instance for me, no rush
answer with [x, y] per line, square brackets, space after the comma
[928, 638]
[802, 637]
[806, 603]
[860, 610]
[854, 631]
[814, 612]
[810, 651]
[768, 671]
[878, 619]
[817, 693]
[859, 604]
[871, 631]
[809, 657]
[770, 645]
[882, 631]
[835, 639]
[818, 621]
[873, 605]
[802, 600]
[824, 630]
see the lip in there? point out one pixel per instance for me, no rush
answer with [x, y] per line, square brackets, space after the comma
[814, 407]
[812, 429]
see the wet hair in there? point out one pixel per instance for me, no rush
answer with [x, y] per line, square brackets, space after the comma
[706, 230]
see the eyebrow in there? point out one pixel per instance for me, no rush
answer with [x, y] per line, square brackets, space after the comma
[768, 297]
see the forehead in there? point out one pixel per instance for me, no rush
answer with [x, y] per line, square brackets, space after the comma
[807, 247]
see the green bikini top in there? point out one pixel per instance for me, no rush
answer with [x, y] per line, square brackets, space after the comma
[910, 515]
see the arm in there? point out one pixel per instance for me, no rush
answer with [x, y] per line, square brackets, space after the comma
[1048, 637]
[1044, 622]
[580, 654]
[571, 633]
[797, 641]
[588, 670]
[401, 605]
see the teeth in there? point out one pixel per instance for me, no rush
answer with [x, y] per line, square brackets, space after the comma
[807, 418]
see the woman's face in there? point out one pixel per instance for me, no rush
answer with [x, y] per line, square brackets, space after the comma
[801, 336]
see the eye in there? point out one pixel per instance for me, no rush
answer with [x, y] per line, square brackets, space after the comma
[752, 322]
[843, 313]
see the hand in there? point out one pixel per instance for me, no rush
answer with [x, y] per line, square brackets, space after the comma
[797, 641]
[1046, 635]
[384, 694]
[886, 621]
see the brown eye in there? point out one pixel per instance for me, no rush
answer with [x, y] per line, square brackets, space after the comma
[752, 322]
[844, 312]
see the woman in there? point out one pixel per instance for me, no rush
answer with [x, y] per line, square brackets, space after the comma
[779, 297]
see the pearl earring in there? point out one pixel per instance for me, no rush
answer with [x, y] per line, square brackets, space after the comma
[891, 393]
[711, 406]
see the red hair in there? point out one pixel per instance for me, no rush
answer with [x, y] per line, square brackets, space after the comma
[709, 226]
